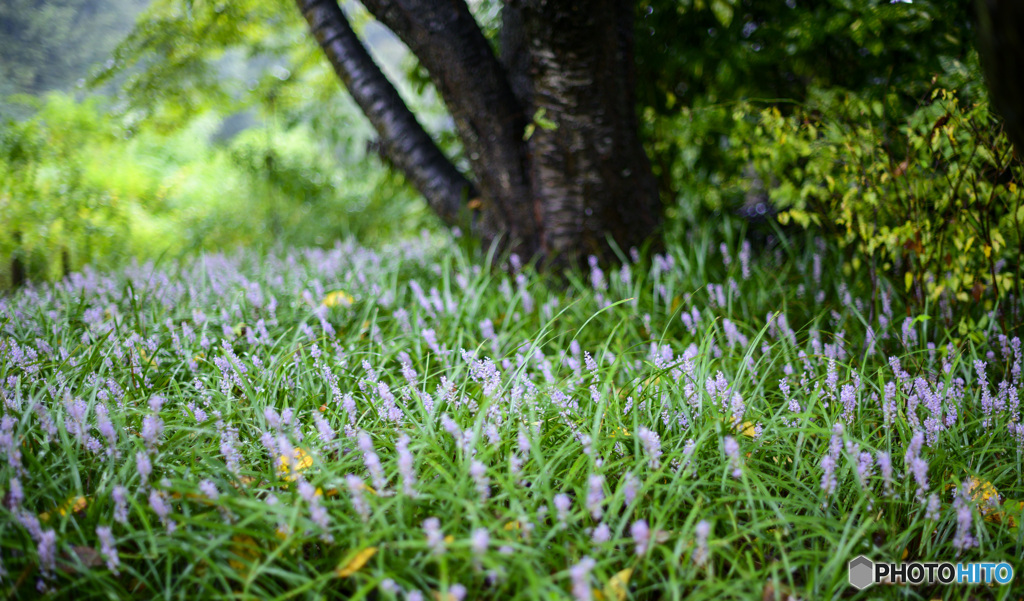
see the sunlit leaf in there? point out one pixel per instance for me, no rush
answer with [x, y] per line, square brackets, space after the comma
[353, 563]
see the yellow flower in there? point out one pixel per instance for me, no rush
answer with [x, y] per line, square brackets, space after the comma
[338, 298]
[297, 461]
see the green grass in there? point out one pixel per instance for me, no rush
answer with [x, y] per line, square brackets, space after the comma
[234, 336]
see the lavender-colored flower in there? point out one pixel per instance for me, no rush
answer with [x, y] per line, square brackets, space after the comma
[602, 534]
[107, 548]
[405, 466]
[478, 471]
[46, 548]
[371, 460]
[435, 539]
[152, 431]
[208, 488]
[143, 465]
[652, 446]
[828, 476]
[324, 429]
[889, 403]
[317, 512]
[732, 451]
[390, 586]
[595, 496]
[413, 595]
[162, 510]
[580, 576]
[120, 496]
[480, 540]
[107, 430]
[355, 490]
[932, 511]
[700, 551]
[562, 505]
[885, 466]
[865, 465]
[630, 484]
[963, 539]
[457, 592]
[15, 494]
[641, 534]
[848, 397]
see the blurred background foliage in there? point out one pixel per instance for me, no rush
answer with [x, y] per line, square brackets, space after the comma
[216, 123]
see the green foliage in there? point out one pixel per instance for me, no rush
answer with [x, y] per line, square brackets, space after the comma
[698, 54]
[77, 188]
[934, 204]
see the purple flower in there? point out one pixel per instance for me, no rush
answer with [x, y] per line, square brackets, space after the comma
[480, 540]
[324, 428]
[457, 592]
[630, 484]
[15, 494]
[355, 490]
[562, 505]
[963, 539]
[208, 488]
[652, 446]
[162, 510]
[641, 534]
[46, 547]
[732, 451]
[478, 471]
[107, 548]
[595, 496]
[435, 539]
[371, 460]
[932, 511]
[317, 512]
[580, 576]
[602, 534]
[700, 551]
[885, 466]
[865, 464]
[143, 466]
[405, 466]
[120, 496]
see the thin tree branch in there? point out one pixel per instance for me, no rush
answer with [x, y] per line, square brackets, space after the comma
[405, 141]
[446, 39]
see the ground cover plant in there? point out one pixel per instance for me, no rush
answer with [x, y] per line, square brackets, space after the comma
[714, 421]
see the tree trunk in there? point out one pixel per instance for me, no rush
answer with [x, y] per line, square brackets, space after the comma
[1001, 47]
[590, 172]
[581, 176]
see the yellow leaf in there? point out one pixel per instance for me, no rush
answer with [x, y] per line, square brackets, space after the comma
[449, 539]
[338, 298]
[749, 429]
[299, 460]
[617, 585]
[245, 550]
[513, 525]
[906, 552]
[72, 505]
[984, 494]
[356, 562]
[908, 279]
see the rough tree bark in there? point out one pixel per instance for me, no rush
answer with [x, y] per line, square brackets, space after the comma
[1001, 47]
[561, 192]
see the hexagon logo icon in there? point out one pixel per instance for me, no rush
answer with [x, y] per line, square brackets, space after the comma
[861, 572]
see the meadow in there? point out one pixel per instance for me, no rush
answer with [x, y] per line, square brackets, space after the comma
[722, 420]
